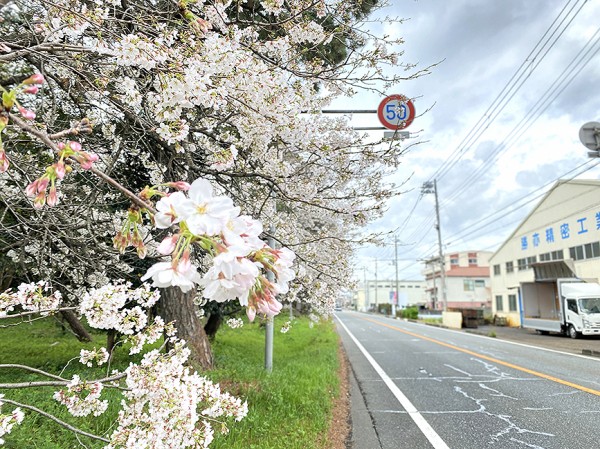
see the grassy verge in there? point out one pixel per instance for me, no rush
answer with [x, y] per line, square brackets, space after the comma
[288, 408]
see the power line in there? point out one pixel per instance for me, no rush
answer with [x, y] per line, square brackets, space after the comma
[583, 57]
[508, 91]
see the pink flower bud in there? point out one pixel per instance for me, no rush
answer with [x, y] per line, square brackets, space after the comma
[42, 184]
[59, 168]
[31, 90]
[40, 200]
[3, 162]
[60, 145]
[179, 185]
[26, 113]
[167, 246]
[36, 78]
[31, 189]
[85, 164]
[142, 251]
[52, 197]
[184, 264]
[75, 146]
[251, 312]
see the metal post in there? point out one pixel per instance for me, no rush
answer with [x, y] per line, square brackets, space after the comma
[397, 287]
[269, 324]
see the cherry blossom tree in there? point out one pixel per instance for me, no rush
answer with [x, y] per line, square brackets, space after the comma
[148, 140]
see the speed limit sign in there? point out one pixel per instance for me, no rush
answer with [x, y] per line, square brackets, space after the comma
[396, 112]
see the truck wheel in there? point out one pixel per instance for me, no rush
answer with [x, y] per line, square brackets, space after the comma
[573, 332]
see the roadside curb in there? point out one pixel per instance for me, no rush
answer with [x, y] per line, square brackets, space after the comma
[590, 352]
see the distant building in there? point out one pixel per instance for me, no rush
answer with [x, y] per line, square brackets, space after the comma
[560, 238]
[467, 279]
[368, 295]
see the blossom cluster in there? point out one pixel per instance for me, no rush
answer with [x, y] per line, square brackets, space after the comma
[9, 101]
[70, 151]
[43, 189]
[105, 307]
[215, 224]
[160, 386]
[100, 356]
[286, 327]
[7, 421]
[235, 323]
[82, 398]
[165, 403]
[34, 297]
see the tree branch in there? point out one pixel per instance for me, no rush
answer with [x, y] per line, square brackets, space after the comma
[55, 419]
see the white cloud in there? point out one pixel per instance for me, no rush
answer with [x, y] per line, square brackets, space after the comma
[482, 45]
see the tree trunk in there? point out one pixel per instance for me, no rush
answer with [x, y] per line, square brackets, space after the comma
[179, 307]
[75, 325]
[212, 325]
[111, 341]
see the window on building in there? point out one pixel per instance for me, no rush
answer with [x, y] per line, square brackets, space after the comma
[512, 303]
[530, 260]
[496, 270]
[479, 283]
[472, 258]
[468, 285]
[521, 264]
[558, 255]
[592, 250]
[545, 257]
[577, 252]
[454, 259]
[499, 303]
[510, 267]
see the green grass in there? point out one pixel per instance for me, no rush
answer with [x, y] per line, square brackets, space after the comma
[432, 320]
[288, 408]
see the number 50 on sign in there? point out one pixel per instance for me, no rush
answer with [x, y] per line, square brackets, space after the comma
[396, 112]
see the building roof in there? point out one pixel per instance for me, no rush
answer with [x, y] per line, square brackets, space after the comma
[468, 272]
[560, 182]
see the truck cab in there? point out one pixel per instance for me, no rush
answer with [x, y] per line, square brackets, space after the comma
[582, 308]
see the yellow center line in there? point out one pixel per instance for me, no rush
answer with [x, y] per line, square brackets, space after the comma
[491, 359]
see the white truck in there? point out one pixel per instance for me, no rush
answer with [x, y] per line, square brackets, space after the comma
[569, 306]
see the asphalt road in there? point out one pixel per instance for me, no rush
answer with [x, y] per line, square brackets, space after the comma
[418, 386]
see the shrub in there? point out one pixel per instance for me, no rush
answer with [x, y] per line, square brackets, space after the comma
[411, 313]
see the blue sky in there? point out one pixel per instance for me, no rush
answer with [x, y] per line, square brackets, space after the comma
[516, 81]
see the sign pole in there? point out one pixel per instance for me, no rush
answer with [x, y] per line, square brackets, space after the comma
[269, 323]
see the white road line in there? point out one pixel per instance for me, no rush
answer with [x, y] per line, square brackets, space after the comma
[431, 435]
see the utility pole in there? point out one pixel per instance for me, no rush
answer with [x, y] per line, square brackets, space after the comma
[376, 285]
[366, 288]
[431, 187]
[397, 287]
